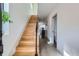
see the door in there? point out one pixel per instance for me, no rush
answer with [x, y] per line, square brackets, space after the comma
[1, 44]
[55, 30]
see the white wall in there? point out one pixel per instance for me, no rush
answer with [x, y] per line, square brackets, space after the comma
[44, 9]
[50, 23]
[67, 28]
[71, 28]
[19, 13]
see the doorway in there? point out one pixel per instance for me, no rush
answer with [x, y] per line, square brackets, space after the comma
[1, 44]
[55, 30]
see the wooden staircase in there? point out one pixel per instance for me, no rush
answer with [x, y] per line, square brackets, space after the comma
[27, 43]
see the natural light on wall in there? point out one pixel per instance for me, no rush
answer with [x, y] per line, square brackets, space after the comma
[34, 8]
[66, 54]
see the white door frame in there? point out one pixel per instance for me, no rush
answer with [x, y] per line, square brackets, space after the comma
[53, 29]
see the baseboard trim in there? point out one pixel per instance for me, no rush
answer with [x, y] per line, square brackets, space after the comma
[60, 52]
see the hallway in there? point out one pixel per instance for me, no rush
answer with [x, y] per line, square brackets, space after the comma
[48, 49]
[20, 34]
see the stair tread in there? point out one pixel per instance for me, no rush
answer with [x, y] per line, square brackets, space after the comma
[28, 36]
[32, 24]
[29, 41]
[26, 48]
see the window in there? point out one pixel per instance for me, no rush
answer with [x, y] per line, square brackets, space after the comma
[5, 26]
[34, 8]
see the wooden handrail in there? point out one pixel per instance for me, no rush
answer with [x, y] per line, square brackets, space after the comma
[36, 53]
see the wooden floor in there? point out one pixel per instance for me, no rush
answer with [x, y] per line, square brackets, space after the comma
[26, 45]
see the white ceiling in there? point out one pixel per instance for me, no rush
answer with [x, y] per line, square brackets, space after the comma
[45, 8]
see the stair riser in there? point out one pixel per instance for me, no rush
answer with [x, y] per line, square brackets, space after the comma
[25, 54]
[29, 32]
[27, 45]
[28, 37]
